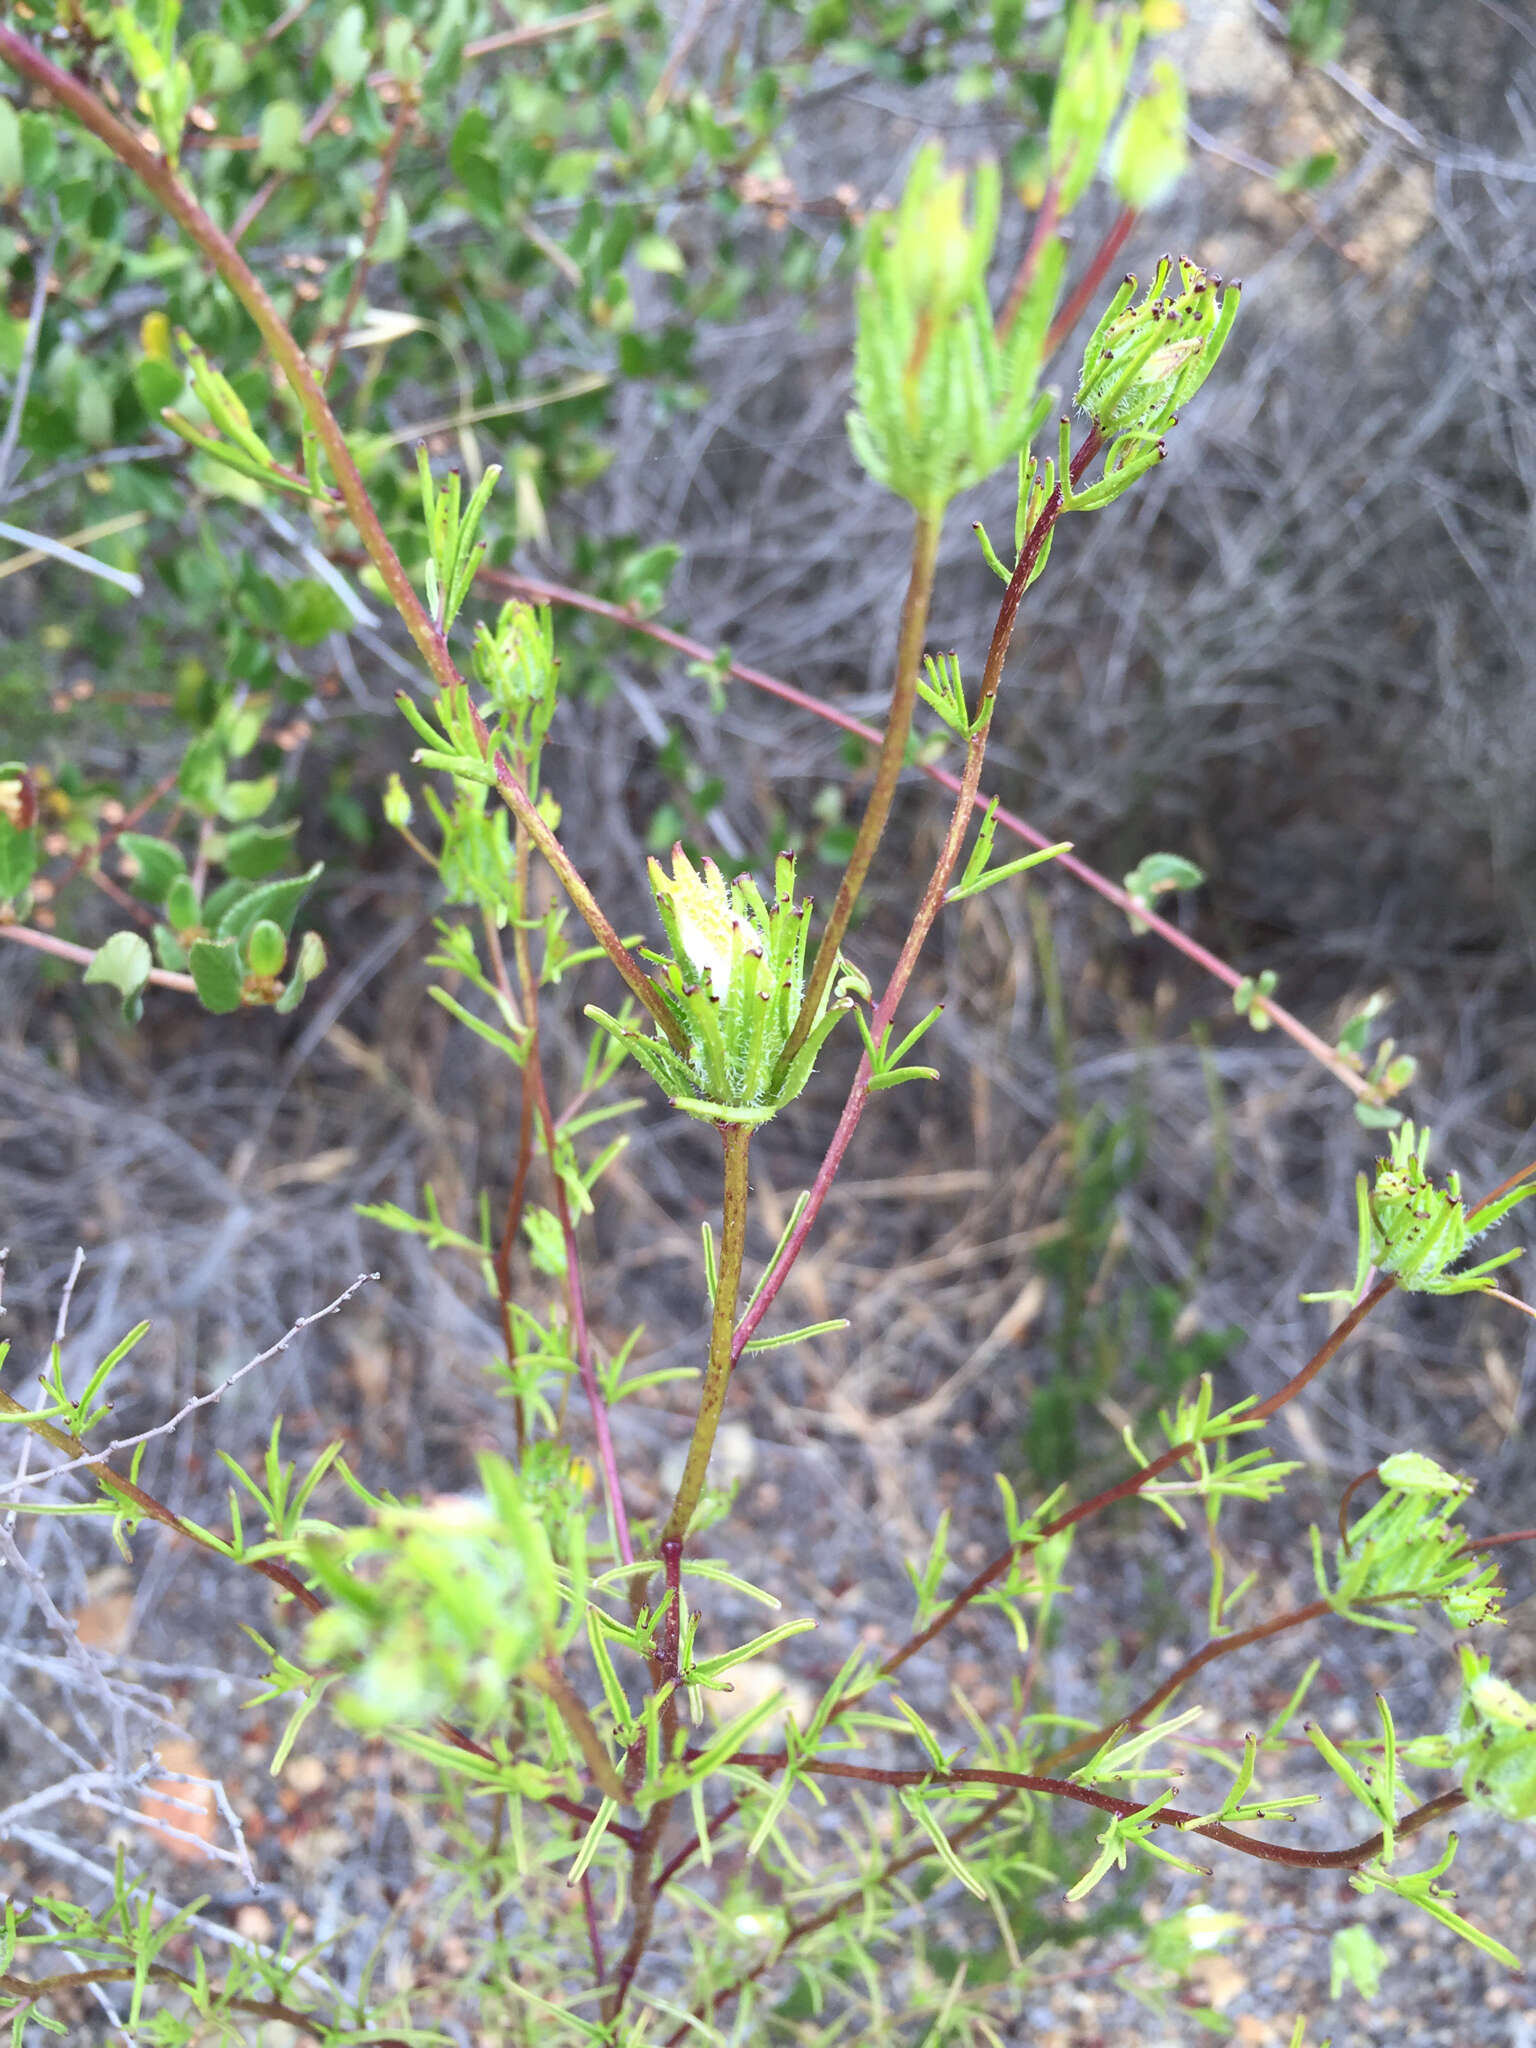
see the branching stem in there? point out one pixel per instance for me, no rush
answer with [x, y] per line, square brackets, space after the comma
[888, 767]
[736, 1140]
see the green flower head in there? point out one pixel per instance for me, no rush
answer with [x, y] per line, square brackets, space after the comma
[1143, 362]
[1493, 1736]
[733, 981]
[944, 393]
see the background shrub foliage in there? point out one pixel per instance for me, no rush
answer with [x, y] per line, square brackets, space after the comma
[279, 285]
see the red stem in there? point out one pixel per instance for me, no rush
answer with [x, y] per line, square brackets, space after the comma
[1090, 280]
[575, 1291]
[1044, 227]
[928, 909]
[1349, 1858]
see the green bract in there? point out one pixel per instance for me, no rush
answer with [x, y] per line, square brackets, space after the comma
[1143, 362]
[1494, 1740]
[944, 397]
[734, 984]
[1413, 1230]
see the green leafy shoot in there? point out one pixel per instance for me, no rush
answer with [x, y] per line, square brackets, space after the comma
[1125, 1832]
[885, 1068]
[81, 1412]
[1389, 1073]
[941, 688]
[234, 441]
[1421, 1890]
[1119, 1759]
[1406, 1550]
[1414, 1231]
[453, 553]
[1037, 484]
[1250, 995]
[977, 877]
[1236, 1808]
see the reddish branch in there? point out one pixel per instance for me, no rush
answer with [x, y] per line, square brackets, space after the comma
[1090, 280]
[1352, 1858]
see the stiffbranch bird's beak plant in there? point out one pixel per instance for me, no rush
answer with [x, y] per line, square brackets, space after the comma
[549, 1653]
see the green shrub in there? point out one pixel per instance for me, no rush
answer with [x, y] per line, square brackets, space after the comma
[625, 1869]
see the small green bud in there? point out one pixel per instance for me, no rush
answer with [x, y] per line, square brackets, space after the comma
[266, 949]
[311, 960]
[1493, 1735]
[1152, 148]
[944, 396]
[397, 804]
[516, 662]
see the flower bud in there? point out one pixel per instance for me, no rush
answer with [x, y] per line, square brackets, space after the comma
[937, 256]
[943, 396]
[1494, 1739]
[1152, 148]
[1090, 84]
[1143, 362]
[516, 662]
[266, 949]
[396, 805]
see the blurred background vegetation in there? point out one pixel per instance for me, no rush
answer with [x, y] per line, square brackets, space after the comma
[613, 252]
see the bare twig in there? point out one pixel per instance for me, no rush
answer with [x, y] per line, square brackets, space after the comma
[1443, 154]
[39, 547]
[214, 1395]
